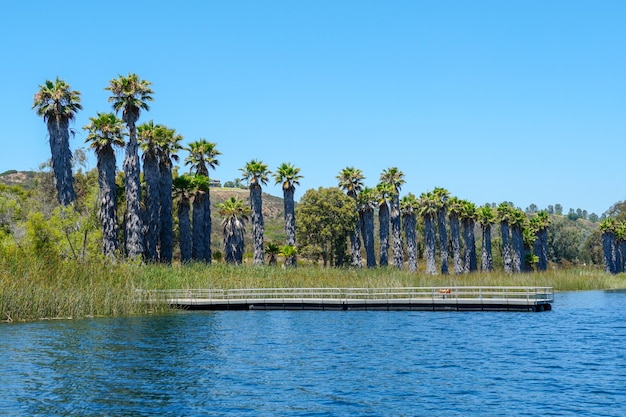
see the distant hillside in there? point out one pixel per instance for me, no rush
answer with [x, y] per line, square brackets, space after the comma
[25, 179]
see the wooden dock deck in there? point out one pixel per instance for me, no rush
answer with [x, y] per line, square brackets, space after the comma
[406, 298]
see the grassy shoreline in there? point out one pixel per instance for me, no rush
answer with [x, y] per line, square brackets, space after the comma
[36, 288]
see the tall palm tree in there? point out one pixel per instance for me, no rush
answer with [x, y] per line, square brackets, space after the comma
[169, 145]
[182, 188]
[504, 214]
[255, 173]
[57, 103]
[385, 194]
[130, 95]
[468, 219]
[395, 177]
[105, 131]
[149, 136]
[366, 204]
[409, 207]
[518, 223]
[442, 197]
[199, 240]
[289, 176]
[486, 217]
[428, 207]
[455, 208]
[608, 227]
[351, 181]
[202, 156]
[235, 215]
[540, 224]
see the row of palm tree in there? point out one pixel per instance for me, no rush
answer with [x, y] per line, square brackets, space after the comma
[439, 211]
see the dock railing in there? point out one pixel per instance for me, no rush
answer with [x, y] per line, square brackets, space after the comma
[529, 294]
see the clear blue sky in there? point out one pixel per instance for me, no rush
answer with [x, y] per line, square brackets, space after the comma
[521, 101]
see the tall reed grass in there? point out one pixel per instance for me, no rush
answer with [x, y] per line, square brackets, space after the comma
[33, 288]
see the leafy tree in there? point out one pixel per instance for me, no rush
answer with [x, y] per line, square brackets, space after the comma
[593, 217]
[235, 215]
[256, 173]
[131, 95]
[558, 209]
[351, 181]
[366, 204]
[289, 176]
[565, 239]
[105, 131]
[57, 103]
[325, 219]
[395, 178]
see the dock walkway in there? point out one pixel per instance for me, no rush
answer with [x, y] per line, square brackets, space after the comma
[405, 298]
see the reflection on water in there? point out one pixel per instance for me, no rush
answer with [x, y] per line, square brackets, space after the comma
[567, 361]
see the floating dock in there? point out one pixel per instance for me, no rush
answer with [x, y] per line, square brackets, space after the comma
[406, 298]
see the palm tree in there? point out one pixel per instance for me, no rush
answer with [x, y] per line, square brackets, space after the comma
[130, 94]
[255, 173]
[486, 217]
[273, 250]
[182, 189]
[106, 132]
[149, 136]
[442, 197]
[202, 156]
[351, 181]
[168, 147]
[468, 218]
[428, 207]
[540, 225]
[199, 240]
[289, 252]
[504, 214]
[395, 177]
[289, 176]
[609, 249]
[57, 103]
[366, 204]
[235, 215]
[385, 194]
[455, 208]
[409, 206]
[517, 223]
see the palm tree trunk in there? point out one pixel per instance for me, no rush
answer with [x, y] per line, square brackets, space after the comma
[409, 223]
[430, 241]
[355, 242]
[208, 226]
[443, 240]
[184, 226]
[198, 226]
[517, 240]
[455, 235]
[367, 224]
[396, 236]
[234, 241]
[290, 223]
[383, 233]
[165, 191]
[609, 251]
[486, 259]
[152, 205]
[108, 201]
[258, 228]
[133, 225]
[506, 247]
[59, 133]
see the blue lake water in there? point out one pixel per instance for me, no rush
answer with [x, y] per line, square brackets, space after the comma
[569, 361]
